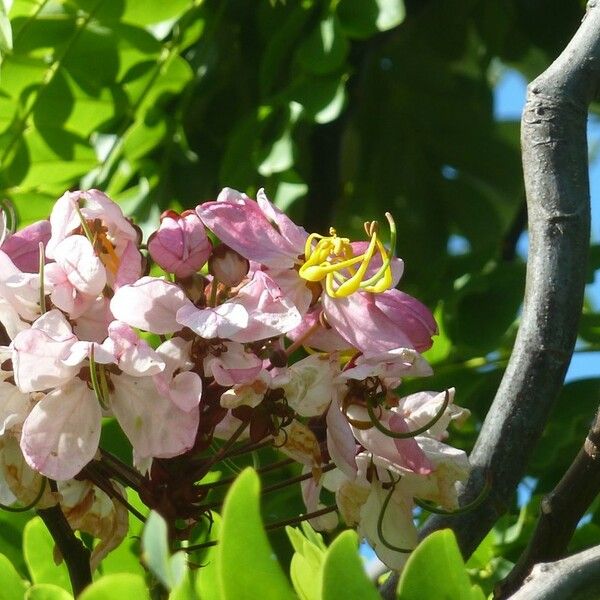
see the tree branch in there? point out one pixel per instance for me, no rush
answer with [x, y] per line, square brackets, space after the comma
[573, 578]
[555, 165]
[560, 511]
[74, 553]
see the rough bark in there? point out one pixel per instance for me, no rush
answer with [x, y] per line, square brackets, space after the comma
[560, 512]
[573, 578]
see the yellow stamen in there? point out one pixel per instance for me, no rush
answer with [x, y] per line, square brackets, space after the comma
[332, 259]
[108, 256]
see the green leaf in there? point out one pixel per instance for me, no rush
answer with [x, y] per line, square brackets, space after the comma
[325, 49]
[343, 570]
[38, 548]
[47, 591]
[125, 558]
[121, 585]
[11, 540]
[306, 565]
[207, 579]
[12, 587]
[363, 18]
[5, 31]
[147, 12]
[436, 571]
[322, 98]
[280, 157]
[245, 547]
[185, 590]
[169, 570]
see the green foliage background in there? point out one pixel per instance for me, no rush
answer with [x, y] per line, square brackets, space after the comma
[342, 110]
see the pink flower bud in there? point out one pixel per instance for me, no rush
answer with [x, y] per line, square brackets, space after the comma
[180, 245]
[228, 266]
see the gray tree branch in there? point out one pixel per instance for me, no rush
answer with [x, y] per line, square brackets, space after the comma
[555, 162]
[574, 578]
[560, 512]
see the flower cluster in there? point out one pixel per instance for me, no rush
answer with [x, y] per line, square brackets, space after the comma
[257, 333]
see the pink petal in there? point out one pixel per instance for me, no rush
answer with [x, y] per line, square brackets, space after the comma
[61, 434]
[155, 426]
[149, 304]
[239, 222]
[23, 246]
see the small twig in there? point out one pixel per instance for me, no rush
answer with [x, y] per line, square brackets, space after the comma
[222, 452]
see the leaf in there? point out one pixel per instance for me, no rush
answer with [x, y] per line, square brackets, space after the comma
[322, 98]
[5, 31]
[244, 544]
[361, 19]
[38, 548]
[325, 49]
[436, 571]
[12, 587]
[147, 12]
[280, 157]
[169, 570]
[306, 565]
[47, 591]
[207, 579]
[121, 585]
[343, 570]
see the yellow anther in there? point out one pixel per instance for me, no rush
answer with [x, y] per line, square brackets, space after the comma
[108, 256]
[333, 260]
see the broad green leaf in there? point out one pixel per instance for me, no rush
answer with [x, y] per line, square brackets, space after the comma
[126, 557]
[322, 98]
[47, 591]
[362, 18]
[207, 578]
[343, 569]
[121, 585]
[306, 565]
[38, 548]
[11, 540]
[5, 31]
[169, 570]
[185, 590]
[280, 157]
[147, 12]
[325, 49]
[436, 571]
[243, 543]
[12, 587]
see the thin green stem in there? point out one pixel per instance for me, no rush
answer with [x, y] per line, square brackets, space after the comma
[403, 435]
[32, 504]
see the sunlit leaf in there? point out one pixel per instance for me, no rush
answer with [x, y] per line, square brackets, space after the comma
[244, 544]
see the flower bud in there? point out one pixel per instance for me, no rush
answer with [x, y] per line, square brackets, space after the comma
[227, 265]
[180, 245]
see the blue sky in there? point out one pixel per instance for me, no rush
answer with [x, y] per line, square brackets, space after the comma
[509, 98]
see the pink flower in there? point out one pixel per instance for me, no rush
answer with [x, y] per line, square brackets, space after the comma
[376, 323]
[116, 240]
[61, 434]
[257, 230]
[180, 245]
[77, 277]
[39, 354]
[22, 247]
[233, 365]
[259, 310]
[19, 296]
[150, 304]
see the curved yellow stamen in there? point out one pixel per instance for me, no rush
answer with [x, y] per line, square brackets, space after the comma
[333, 260]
